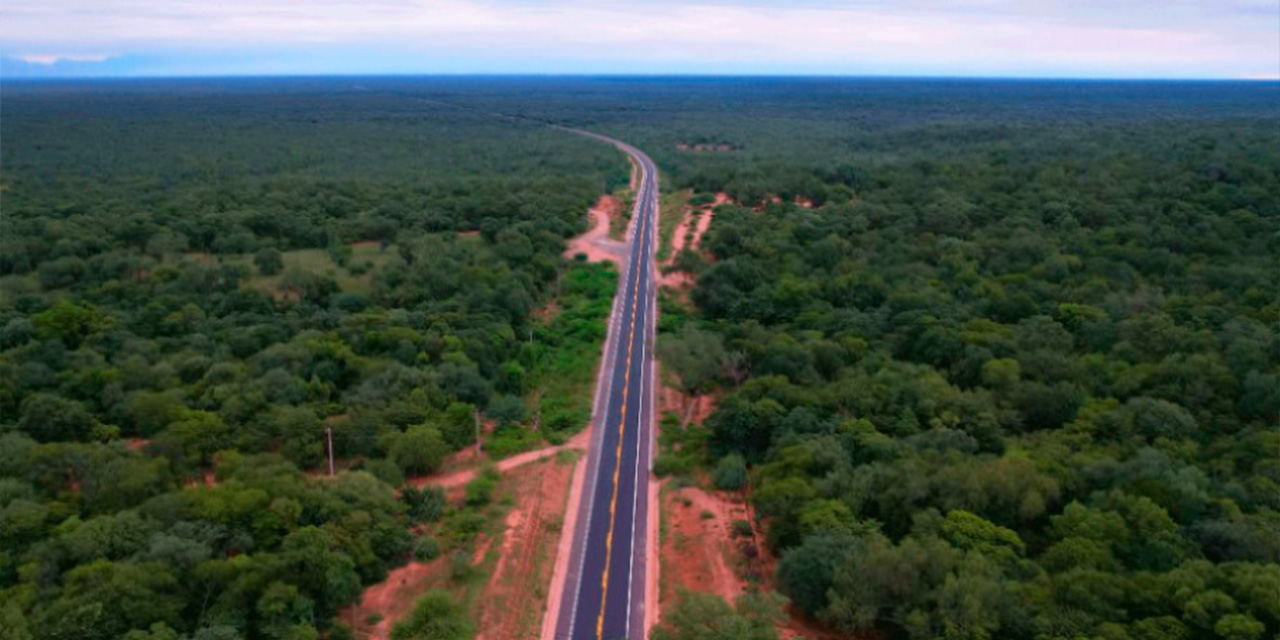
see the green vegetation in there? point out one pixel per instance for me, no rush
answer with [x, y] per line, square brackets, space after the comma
[671, 211]
[730, 473]
[435, 617]
[705, 616]
[1015, 374]
[626, 203]
[191, 272]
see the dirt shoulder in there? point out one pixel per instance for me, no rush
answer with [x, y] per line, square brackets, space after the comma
[699, 551]
[514, 599]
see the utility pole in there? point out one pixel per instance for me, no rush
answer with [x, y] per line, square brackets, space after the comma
[537, 375]
[328, 435]
[477, 416]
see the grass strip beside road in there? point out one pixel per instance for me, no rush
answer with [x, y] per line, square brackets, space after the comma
[562, 361]
[671, 212]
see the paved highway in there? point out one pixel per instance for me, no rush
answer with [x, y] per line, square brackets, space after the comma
[604, 591]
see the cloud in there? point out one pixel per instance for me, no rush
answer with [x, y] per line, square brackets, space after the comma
[1165, 38]
[50, 60]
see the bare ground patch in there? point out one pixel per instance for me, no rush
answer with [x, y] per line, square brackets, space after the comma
[514, 599]
[699, 551]
[688, 234]
[595, 243]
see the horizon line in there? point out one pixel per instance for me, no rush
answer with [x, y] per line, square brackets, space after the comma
[633, 75]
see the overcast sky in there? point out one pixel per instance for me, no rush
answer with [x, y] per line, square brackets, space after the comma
[1037, 38]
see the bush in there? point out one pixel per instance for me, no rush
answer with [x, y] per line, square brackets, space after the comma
[508, 440]
[269, 261]
[384, 470]
[426, 548]
[459, 566]
[742, 528]
[465, 526]
[667, 464]
[730, 473]
[706, 616]
[480, 489]
[426, 504]
[435, 617]
[421, 449]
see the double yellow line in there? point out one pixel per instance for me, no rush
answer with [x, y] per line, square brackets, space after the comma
[622, 426]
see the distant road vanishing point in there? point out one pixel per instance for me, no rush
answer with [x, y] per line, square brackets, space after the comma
[604, 590]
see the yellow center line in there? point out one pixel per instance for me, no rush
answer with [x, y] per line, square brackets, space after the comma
[622, 426]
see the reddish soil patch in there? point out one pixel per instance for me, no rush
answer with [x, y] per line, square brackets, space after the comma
[208, 479]
[135, 444]
[700, 552]
[595, 243]
[699, 408]
[801, 627]
[670, 400]
[688, 233]
[679, 280]
[700, 148]
[482, 547]
[513, 601]
[545, 313]
[691, 409]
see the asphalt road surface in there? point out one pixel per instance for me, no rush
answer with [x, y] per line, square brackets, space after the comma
[604, 597]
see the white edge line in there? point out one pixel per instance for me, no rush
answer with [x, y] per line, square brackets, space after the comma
[635, 499]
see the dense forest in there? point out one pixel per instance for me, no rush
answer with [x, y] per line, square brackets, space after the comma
[1001, 357]
[1013, 374]
[199, 279]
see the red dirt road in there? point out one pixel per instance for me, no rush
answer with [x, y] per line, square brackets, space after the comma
[461, 477]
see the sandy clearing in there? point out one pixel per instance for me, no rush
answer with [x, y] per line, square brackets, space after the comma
[595, 242]
[678, 237]
[699, 552]
[703, 223]
[702, 554]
